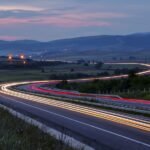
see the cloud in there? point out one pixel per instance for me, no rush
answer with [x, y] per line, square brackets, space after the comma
[60, 17]
[12, 21]
[63, 19]
[53, 21]
[19, 7]
[19, 14]
[98, 15]
[70, 22]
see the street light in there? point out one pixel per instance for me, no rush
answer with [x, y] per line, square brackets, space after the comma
[10, 57]
[24, 62]
[22, 56]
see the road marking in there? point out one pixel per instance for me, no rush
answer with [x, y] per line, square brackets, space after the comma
[82, 123]
[77, 108]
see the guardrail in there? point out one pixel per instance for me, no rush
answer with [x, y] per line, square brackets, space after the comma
[93, 103]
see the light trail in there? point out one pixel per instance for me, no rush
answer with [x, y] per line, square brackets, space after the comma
[121, 119]
[37, 88]
[114, 117]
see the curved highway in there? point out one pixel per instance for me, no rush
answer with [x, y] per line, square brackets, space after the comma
[103, 130]
[99, 98]
[39, 87]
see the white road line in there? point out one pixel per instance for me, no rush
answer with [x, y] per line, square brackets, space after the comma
[77, 108]
[82, 123]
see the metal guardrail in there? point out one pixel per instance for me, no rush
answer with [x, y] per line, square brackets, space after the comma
[104, 104]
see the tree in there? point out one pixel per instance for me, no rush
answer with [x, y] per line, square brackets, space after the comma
[72, 70]
[132, 74]
[43, 70]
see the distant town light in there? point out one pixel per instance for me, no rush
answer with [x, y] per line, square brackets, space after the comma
[10, 57]
[22, 56]
[24, 62]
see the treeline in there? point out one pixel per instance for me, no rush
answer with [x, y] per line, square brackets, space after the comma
[66, 76]
[100, 86]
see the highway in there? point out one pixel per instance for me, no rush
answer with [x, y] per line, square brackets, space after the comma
[41, 88]
[113, 100]
[97, 128]
[102, 130]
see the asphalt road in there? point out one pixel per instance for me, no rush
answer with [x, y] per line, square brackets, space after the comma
[101, 130]
[96, 132]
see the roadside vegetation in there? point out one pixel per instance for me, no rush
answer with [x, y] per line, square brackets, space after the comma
[15, 134]
[132, 87]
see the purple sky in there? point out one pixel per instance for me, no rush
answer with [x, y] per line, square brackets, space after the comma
[47, 20]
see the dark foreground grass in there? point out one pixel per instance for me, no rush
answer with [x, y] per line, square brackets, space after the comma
[15, 134]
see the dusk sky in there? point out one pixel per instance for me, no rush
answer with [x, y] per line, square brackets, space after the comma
[48, 20]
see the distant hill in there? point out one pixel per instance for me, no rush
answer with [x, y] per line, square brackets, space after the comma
[92, 47]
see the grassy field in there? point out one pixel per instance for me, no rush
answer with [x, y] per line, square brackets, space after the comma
[37, 74]
[21, 75]
[81, 68]
[15, 134]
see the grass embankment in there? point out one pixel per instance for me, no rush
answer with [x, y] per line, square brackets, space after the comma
[15, 134]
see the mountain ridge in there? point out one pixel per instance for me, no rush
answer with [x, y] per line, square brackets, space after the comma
[100, 44]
